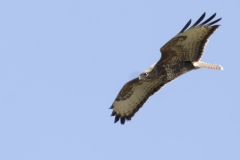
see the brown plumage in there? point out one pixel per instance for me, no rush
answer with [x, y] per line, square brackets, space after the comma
[180, 55]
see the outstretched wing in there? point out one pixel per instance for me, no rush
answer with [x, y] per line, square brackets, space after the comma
[132, 97]
[186, 46]
[189, 45]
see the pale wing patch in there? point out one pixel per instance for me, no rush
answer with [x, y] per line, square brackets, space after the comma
[126, 108]
[194, 38]
[189, 44]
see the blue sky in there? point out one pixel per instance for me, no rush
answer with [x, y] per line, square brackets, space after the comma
[62, 64]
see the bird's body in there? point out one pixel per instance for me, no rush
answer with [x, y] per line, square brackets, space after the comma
[180, 55]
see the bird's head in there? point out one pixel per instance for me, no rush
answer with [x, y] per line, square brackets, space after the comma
[146, 73]
[143, 75]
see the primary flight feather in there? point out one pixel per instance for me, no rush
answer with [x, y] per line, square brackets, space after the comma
[180, 55]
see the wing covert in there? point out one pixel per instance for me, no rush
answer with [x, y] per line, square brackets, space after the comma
[189, 45]
[132, 97]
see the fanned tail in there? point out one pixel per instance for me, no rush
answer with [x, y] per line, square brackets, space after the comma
[200, 64]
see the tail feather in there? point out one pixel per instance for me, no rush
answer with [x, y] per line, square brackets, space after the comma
[200, 64]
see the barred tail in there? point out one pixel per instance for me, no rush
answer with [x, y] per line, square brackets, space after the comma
[207, 65]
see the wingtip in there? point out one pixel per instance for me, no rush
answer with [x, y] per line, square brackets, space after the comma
[186, 26]
[113, 113]
[116, 118]
[122, 120]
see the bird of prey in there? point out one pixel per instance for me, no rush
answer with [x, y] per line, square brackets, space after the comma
[179, 55]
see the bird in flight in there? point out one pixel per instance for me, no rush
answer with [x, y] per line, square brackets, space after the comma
[179, 55]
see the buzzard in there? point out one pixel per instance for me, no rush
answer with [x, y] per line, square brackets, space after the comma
[180, 55]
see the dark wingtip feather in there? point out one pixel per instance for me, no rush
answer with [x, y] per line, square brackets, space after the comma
[113, 113]
[214, 22]
[111, 107]
[199, 20]
[128, 118]
[209, 19]
[203, 23]
[186, 26]
[116, 118]
[122, 120]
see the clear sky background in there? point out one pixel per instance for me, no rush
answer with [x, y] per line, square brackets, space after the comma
[62, 64]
